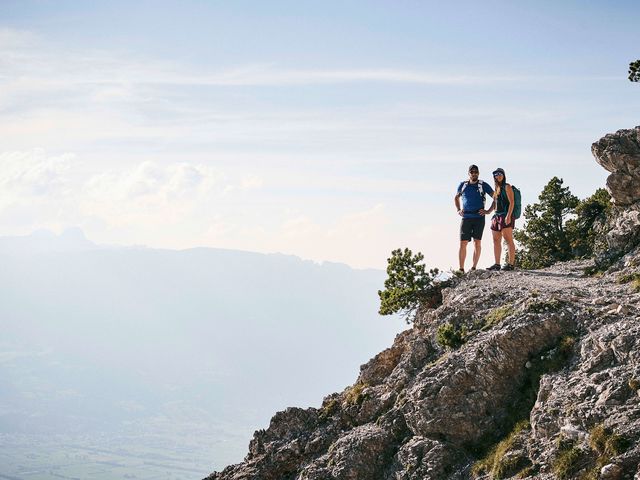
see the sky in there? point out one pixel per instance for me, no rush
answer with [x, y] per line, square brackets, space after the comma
[333, 130]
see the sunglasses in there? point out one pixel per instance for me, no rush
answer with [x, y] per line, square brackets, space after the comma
[498, 175]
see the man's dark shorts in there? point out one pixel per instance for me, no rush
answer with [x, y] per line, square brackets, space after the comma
[471, 228]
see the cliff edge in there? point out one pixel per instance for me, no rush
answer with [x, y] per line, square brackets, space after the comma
[546, 384]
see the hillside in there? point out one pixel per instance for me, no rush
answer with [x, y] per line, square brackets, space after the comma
[546, 386]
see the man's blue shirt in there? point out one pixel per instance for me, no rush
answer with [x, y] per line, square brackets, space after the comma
[472, 199]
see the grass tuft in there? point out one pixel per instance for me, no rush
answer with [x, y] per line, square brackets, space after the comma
[497, 463]
[355, 394]
[568, 462]
[497, 315]
[448, 336]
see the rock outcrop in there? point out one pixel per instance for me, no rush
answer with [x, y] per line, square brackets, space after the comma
[619, 153]
[419, 411]
[546, 384]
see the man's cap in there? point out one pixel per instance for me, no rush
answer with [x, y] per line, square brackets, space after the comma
[499, 170]
[473, 167]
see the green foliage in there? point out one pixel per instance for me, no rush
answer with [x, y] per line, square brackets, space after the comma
[497, 315]
[560, 227]
[634, 278]
[580, 229]
[544, 238]
[329, 408]
[355, 395]
[552, 305]
[408, 285]
[497, 463]
[526, 472]
[629, 277]
[634, 71]
[606, 443]
[448, 336]
[568, 462]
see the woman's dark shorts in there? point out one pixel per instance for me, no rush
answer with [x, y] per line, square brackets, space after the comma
[498, 223]
[471, 227]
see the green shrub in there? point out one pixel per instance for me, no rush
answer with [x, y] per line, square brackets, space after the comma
[629, 277]
[552, 305]
[355, 395]
[559, 227]
[606, 443]
[544, 238]
[448, 336]
[526, 472]
[329, 409]
[580, 231]
[634, 71]
[496, 463]
[568, 462]
[409, 285]
[497, 315]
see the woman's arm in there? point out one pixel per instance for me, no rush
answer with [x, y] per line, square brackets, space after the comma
[509, 191]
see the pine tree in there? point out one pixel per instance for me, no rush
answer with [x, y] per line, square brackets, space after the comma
[581, 229]
[544, 239]
[408, 285]
[634, 71]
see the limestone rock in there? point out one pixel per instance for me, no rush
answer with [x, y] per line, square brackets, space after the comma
[420, 411]
[619, 153]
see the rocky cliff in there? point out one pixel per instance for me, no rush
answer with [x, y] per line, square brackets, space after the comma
[546, 384]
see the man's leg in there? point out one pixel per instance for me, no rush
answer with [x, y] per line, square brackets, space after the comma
[497, 245]
[462, 255]
[477, 248]
[466, 229]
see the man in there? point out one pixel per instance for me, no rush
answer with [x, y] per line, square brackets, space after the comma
[473, 193]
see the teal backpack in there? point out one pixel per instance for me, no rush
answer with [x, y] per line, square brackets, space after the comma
[517, 202]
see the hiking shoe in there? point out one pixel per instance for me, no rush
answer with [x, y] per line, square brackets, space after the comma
[473, 269]
[508, 267]
[495, 267]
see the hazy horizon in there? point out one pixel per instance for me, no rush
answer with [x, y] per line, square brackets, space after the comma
[162, 363]
[330, 131]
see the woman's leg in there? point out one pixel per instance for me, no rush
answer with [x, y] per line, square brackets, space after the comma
[497, 245]
[507, 234]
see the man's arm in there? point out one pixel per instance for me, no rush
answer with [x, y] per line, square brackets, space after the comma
[491, 208]
[456, 201]
[488, 190]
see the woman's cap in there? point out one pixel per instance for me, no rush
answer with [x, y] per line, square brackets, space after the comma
[498, 170]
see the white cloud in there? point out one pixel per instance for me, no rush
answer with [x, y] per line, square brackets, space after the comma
[251, 182]
[33, 174]
[150, 193]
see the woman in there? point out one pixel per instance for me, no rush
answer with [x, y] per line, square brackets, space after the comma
[502, 223]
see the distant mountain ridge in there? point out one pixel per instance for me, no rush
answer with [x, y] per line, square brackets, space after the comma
[102, 339]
